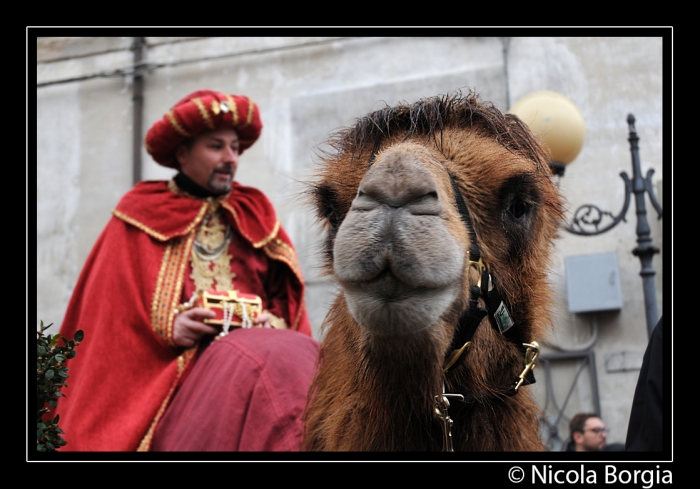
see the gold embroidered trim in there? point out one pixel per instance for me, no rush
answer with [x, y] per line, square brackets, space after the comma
[182, 362]
[203, 110]
[234, 109]
[153, 232]
[262, 242]
[172, 186]
[141, 226]
[176, 125]
[249, 118]
[169, 287]
[156, 304]
[212, 233]
[280, 250]
[302, 305]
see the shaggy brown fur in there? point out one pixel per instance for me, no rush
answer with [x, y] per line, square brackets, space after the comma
[395, 235]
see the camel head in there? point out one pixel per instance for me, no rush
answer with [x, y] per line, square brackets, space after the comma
[412, 196]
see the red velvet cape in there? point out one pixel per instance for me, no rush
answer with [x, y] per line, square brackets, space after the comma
[127, 367]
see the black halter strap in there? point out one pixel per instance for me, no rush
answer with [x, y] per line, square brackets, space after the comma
[495, 309]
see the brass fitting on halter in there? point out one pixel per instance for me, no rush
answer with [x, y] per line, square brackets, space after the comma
[442, 405]
[531, 354]
[479, 266]
[455, 355]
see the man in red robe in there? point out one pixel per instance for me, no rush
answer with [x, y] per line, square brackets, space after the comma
[138, 298]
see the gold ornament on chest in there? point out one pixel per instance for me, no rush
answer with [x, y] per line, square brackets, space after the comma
[211, 261]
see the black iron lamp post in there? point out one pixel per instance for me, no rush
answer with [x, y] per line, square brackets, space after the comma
[560, 124]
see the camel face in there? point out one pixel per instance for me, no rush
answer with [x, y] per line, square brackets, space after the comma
[396, 256]
[409, 196]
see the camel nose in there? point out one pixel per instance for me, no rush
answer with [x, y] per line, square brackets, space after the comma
[398, 178]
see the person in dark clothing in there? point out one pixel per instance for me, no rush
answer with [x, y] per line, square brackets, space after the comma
[587, 433]
[613, 447]
[645, 429]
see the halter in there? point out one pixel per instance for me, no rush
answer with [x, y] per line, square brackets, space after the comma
[499, 317]
[471, 318]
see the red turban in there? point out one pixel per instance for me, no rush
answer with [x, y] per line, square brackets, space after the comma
[201, 111]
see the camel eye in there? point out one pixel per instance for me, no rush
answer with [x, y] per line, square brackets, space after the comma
[333, 220]
[327, 205]
[518, 208]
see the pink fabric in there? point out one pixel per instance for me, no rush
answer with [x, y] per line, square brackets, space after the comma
[246, 392]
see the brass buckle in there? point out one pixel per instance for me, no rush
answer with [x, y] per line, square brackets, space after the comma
[531, 354]
[480, 267]
[442, 405]
[454, 356]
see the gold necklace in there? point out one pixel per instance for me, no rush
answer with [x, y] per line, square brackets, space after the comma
[211, 262]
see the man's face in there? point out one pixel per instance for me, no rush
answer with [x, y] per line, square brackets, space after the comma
[594, 436]
[212, 159]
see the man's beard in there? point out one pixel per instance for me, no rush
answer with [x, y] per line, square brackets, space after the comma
[217, 185]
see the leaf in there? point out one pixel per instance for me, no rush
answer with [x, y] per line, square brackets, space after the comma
[79, 335]
[44, 328]
[51, 376]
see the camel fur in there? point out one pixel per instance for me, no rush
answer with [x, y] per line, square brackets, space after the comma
[399, 249]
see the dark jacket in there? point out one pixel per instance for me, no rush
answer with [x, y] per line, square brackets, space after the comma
[645, 433]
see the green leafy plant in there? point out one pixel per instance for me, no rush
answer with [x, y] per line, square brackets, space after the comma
[51, 375]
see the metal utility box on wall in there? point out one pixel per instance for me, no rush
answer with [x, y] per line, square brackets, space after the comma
[593, 282]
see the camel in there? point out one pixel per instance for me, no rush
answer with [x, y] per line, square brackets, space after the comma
[440, 217]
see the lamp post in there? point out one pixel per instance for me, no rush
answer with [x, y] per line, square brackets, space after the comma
[560, 124]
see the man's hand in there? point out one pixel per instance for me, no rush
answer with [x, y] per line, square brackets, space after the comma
[188, 327]
[264, 319]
